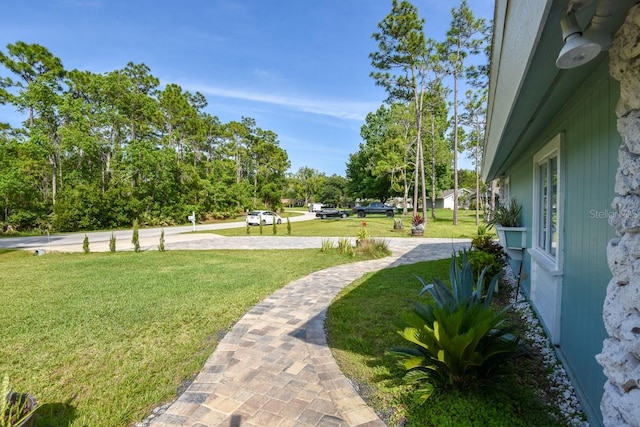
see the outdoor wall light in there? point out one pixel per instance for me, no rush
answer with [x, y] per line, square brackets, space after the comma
[577, 50]
[599, 31]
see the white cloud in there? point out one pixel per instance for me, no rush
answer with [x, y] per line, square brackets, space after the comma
[342, 109]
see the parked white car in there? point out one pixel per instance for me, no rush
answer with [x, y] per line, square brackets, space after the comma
[264, 217]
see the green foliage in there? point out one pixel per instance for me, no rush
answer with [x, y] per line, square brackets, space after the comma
[363, 233]
[481, 260]
[135, 239]
[482, 230]
[112, 243]
[274, 228]
[374, 248]
[125, 147]
[288, 226]
[14, 407]
[248, 229]
[161, 244]
[486, 243]
[508, 215]
[85, 244]
[360, 340]
[327, 245]
[458, 337]
[261, 226]
[345, 247]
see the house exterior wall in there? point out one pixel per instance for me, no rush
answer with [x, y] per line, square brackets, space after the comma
[569, 302]
[439, 203]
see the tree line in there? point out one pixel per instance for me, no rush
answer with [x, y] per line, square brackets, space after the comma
[411, 144]
[100, 150]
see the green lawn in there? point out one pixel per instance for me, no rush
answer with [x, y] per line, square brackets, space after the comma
[100, 339]
[377, 225]
[361, 325]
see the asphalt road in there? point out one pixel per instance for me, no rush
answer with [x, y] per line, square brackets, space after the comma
[98, 239]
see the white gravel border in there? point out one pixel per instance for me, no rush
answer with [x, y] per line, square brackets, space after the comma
[567, 400]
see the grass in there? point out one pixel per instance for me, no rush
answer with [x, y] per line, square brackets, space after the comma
[361, 329]
[377, 225]
[102, 338]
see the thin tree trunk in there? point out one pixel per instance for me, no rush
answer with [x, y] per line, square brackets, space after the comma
[433, 167]
[424, 184]
[477, 184]
[455, 148]
[415, 181]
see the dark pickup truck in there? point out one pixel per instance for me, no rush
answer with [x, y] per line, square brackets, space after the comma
[374, 208]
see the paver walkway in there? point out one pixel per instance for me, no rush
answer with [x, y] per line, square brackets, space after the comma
[274, 367]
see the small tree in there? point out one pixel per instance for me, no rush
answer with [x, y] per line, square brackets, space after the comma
[85, 244]
[260, 224]
[275, 228]
[288, 227]
[161, 245]
[135, 239]
[112, 243]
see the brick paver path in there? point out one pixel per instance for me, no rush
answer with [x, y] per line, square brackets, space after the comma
[274, 367]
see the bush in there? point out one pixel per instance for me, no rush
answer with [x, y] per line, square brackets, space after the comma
[161, 244]
[458, 338]
[85, 244]
[112, 243]
[486, 243]
[345, 247]
[327, 245]
[480, 260]
[375, 248]
[135, 239]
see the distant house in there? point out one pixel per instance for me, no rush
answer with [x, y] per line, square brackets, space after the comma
[445, 199]
[564, 139]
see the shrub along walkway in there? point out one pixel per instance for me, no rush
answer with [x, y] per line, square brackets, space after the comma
[274, 367]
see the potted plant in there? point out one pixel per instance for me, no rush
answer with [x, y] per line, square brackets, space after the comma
[16, 409]
[507, 220]
[398, 224]
[417, 226]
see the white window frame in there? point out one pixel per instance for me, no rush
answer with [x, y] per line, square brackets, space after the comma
[553, 149]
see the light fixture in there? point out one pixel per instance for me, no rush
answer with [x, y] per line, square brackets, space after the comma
[598, 31]
[577, 50]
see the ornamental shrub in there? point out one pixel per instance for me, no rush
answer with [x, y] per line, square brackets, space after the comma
[457, 337]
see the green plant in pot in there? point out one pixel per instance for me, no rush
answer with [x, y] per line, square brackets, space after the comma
[417, 226]
[16, 409]
[507, 220]
[508, 215]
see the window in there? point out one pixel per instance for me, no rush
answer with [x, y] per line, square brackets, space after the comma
[547, 200]
[505, 191]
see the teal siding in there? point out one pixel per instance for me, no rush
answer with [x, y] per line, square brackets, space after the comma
[589, 166]
[591, 152]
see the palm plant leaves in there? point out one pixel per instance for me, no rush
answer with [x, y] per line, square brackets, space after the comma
[457, 337]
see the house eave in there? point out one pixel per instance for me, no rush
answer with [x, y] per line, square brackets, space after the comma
[526, 89]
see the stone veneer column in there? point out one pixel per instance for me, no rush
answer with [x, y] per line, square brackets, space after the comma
[620, 355]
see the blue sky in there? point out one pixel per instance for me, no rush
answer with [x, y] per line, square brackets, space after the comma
[300, 68]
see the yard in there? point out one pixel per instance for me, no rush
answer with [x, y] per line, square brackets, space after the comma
[361, 340]
[101, 339]
[377, 225]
